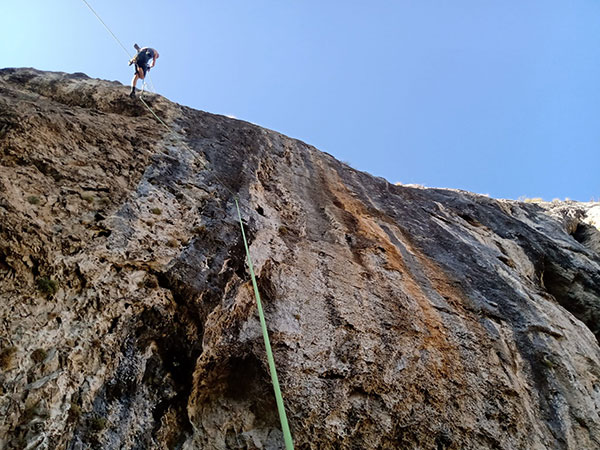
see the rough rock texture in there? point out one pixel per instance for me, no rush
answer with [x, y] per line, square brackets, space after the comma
[400, 317]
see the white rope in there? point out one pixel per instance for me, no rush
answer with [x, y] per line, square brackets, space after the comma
[106, 26]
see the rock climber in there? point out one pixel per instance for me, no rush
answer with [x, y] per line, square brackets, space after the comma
[141, 60]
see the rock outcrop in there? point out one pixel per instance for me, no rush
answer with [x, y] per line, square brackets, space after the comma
[400, 317]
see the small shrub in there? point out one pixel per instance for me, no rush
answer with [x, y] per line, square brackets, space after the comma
[156, 211]
[47, 286]
[547, 362]
[200, 230]
[74, 412]
[173, 243]
[534, 200]
[39, 355]
[32, 199]
[97, 424]
[283, 230]
[88, 198]
[7, 357]
[28, 414]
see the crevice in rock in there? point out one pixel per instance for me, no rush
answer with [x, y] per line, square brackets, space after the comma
[587, 235]
[506, 261]
[47, 169]
[470, 220]
[574, 290]
[247, 380]
[580, 233]
[159, 384]
[504, 258]
[265, 284]
[5, 268]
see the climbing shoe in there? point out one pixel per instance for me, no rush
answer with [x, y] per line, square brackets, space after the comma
[132, 93]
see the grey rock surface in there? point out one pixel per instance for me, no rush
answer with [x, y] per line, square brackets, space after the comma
[400, 317]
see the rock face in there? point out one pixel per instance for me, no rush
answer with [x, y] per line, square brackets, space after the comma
[400, 317]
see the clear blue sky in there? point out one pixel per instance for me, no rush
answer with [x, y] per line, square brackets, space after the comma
[495, 97]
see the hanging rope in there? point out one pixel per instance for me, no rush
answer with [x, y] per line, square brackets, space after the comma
[287, 436]
[106, 26]
[152, 88]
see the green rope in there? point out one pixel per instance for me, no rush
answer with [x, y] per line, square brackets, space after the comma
[287, 436]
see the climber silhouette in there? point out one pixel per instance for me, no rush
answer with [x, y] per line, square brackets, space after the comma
[141, 60]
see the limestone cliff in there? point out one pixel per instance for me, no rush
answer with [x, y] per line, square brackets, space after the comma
[400, 317]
